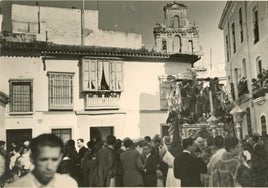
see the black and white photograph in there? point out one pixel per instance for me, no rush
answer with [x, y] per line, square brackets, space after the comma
[134, 93]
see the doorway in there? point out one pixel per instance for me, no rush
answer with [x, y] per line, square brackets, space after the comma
[18, 136]
[100, 133]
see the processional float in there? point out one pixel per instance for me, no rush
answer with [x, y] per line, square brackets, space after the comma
[196, 107]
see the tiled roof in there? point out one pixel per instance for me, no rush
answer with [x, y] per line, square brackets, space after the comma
[105, 51]
[46, 48]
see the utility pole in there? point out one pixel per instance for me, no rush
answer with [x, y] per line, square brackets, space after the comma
[210, 63]
[82, 22]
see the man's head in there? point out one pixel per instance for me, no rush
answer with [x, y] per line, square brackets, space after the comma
[80, 142]
[188, 144]
[146, 149]
[110, 139]
[118, 144]
[147, 139]
[128, 143]
[156, 141]
[46, 154]
[232, 145]
[219, 142]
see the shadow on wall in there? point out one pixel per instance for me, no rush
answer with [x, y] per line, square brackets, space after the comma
[150, 115]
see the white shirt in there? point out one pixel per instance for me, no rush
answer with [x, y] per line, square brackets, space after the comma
[59, 180]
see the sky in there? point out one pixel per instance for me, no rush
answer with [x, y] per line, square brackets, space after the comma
[141, 17]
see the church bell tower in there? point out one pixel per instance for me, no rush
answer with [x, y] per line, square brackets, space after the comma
[176, 35]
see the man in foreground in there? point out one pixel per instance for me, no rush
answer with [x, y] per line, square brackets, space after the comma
[188, 167]
[46, 154]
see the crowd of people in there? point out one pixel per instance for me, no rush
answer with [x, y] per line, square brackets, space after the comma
[145, 162]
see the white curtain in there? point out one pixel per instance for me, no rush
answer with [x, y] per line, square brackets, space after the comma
[100, 67]
[106, 68]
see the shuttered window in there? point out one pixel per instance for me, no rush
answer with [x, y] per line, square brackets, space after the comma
[20, 96]
[60, 91]
[102, 75]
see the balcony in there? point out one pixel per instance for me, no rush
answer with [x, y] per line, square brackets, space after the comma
[99, 101]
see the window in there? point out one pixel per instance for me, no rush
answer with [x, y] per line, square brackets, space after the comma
[249, 122]
[167, 89]
[177, 44]
[255, 24]
[20, 96]
[176, 22]
[164, 45]
[259, 65]
[64, 134]
[233, 37]
[60, 91]
[263, 124]
[236, 76]
[244, 68]
[227, 47]
[102, 75]
[241, 25]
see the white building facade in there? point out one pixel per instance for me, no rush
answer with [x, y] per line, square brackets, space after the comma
[245, 26]
[59, 79]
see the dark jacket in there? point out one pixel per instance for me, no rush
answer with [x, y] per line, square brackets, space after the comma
[188, 168]
[89, 171]
[106, 166]
[149, 174]
[82, 151]
[131, 166]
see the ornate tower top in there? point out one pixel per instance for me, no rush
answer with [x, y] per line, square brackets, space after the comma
[175, 34]
[175, 15]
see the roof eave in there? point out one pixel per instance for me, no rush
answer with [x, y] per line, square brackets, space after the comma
[224, 14]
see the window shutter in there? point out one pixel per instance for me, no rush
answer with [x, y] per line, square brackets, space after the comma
[119, 76]
[93, 84]
[85, 74]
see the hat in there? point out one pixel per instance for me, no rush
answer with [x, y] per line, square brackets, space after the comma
[139, 140]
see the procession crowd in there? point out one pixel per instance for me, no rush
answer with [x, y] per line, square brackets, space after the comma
[150, 162]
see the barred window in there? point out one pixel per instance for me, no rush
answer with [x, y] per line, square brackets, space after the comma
[64, 134]
[20, 96]
[60, 91]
